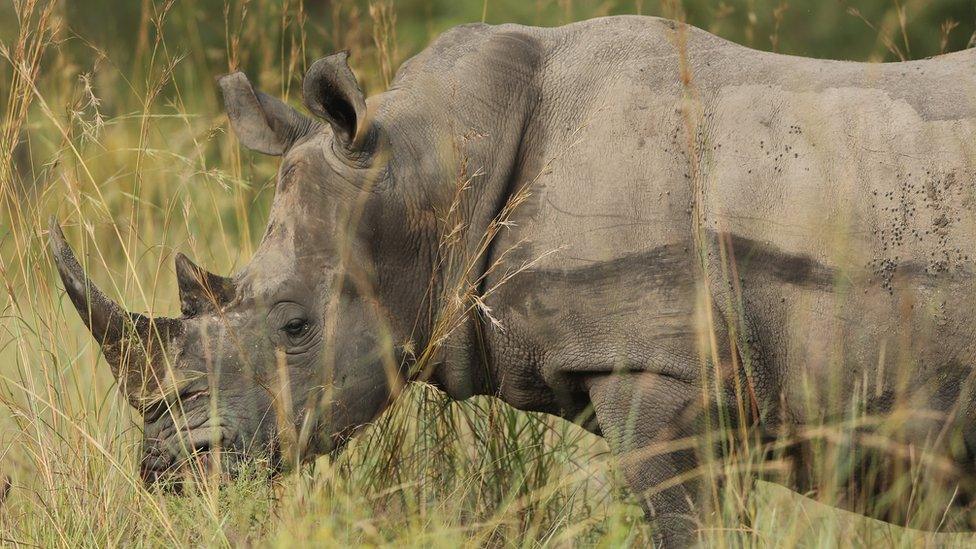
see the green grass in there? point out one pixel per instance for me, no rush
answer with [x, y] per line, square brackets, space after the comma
[110, 121]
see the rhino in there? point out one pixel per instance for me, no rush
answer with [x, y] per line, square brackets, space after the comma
[626, 222]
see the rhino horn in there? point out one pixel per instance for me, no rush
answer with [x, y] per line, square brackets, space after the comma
[133, 344]
[201, 291]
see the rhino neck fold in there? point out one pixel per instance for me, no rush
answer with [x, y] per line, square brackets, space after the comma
[475, 115]
[465, 369]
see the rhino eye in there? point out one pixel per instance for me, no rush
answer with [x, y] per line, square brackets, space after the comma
[296, 327]
[291, 325]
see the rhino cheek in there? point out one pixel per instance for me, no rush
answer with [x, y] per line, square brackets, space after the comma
[356, 402]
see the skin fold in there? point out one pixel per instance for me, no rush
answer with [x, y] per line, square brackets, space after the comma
[665, 212]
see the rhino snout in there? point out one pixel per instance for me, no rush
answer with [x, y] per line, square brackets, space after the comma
[172, 460]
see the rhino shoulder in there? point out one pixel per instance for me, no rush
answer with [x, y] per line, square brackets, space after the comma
[476, 46]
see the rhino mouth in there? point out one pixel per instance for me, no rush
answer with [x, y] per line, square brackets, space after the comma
[206, 462]
[201, 447]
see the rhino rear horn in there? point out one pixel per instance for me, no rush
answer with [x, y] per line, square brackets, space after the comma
[201, 291]
[133, 344]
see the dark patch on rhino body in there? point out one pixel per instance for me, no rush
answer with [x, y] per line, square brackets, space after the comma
[673, 266]
[795, 269]
[664, 265]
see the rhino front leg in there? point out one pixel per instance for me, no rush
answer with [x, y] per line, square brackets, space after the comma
[645, 418]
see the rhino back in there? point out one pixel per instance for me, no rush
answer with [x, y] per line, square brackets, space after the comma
[845, 189]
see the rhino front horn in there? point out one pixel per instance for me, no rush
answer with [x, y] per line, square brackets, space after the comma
[133, 344]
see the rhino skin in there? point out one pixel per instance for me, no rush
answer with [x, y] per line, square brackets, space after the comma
[692, 215]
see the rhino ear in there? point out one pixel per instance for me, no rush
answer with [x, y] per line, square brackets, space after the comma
[261, 122]
[332, 93]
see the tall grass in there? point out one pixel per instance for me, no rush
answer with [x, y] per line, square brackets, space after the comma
[130, 150]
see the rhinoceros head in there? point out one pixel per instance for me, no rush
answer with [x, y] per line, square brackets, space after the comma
[292, 352]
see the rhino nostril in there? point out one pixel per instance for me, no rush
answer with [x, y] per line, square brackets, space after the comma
[200, 447]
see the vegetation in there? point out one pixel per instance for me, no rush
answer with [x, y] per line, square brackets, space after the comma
[110, 121]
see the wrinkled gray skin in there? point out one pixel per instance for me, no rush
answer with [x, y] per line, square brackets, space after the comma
[843, 191]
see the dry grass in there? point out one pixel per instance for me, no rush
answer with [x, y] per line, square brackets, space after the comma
[157, 172]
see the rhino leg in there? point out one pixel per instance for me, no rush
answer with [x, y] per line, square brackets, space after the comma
[645, 418]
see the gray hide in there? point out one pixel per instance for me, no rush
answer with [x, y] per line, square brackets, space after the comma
[802, 226]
